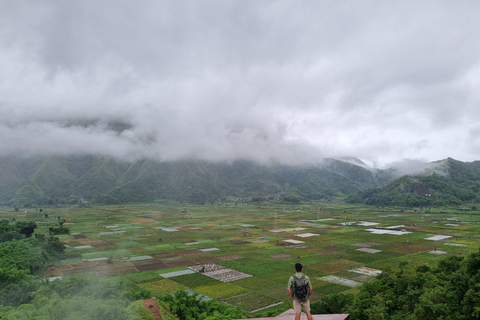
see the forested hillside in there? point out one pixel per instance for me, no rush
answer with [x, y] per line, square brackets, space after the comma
[83, 179]
[451, 183]
[79, 179]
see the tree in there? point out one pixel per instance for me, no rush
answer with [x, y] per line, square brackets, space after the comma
[26, 228]
[58, 230]
[190, 306]
[8, 232]
[451, 290]
[55, 247]
[332, 303]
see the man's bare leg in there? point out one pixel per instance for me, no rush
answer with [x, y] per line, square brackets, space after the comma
[309, 315]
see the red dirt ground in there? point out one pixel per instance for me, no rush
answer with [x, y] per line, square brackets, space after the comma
[154, 310]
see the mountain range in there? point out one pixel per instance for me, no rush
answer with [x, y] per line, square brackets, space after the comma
[80, 179]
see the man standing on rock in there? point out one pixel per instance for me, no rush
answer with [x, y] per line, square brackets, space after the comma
[300, 289]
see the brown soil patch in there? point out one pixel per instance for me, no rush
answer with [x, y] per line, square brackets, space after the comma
[206, 260]
[85, 240]
[153, 266]
[115, 269]
[72, 242]
[80, 270]
[164, 255]
[146, 228]
[152, 306]
[86, 266]
[102, 244]
[413, 228]
[53, 272]
[179, 263]
[79, 236]
[190, 252]
[145, 262]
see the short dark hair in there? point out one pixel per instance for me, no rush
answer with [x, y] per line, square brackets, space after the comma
[298, 267]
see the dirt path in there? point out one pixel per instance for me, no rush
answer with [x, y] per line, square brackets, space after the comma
[152, 306]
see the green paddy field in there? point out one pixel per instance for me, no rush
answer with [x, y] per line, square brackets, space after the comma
[243, 254]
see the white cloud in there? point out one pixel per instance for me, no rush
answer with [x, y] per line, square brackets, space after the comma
[266, 80]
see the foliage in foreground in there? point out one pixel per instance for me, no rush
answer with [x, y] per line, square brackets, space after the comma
[190, 306]
[79, 298]
[21, 256]
[451, 290]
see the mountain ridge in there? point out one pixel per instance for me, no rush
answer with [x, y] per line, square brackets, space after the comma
[447, 182]
[77, 179]
[66, 179]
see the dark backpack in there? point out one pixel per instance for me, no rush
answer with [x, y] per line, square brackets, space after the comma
[300, 287]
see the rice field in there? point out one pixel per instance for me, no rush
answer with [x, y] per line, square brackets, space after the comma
[243, 254]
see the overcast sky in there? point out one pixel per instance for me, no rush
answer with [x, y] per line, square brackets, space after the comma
[288, 81]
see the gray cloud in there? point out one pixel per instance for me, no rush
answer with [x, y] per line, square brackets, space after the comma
[288, 81]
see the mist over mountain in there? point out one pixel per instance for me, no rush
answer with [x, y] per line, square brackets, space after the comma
[74, 179]
[446, 182]
[81, 179]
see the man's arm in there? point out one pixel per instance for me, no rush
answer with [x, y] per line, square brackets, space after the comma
[289, 287]
[310, 288]
[290, 293]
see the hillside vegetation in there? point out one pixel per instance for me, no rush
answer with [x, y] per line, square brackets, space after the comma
[84, 179]
[449, 290]
[452, 183]
[78, 179]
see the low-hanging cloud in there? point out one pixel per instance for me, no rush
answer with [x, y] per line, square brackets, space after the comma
[283, 81]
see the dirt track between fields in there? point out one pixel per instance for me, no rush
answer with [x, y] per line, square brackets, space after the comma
[152, 306]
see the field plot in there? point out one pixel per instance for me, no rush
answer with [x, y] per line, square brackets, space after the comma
[220, 272]
[367, 271]
[244, 253]
[342, 281]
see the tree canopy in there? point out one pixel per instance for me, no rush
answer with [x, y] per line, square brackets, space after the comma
[450, 290]
[185, 305]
